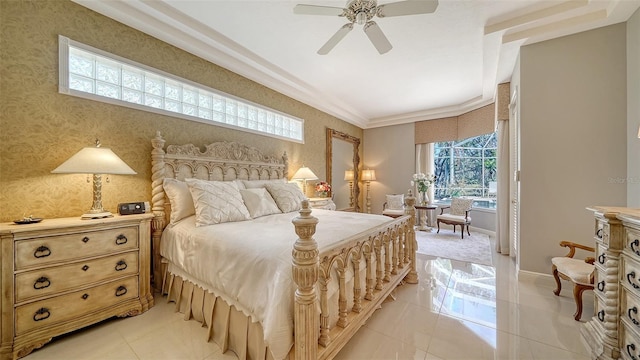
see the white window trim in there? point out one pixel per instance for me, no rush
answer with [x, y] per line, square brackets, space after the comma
[65, 43]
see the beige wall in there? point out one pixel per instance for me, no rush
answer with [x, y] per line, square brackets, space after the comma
[633, 110]
[39, 128]
[390, 151]
[573, 130]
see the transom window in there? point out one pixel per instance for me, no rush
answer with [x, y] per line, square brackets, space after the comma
[94, 74]
[466, 168]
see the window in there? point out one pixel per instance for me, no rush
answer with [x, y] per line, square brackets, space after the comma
[97, 75]
[466, 168]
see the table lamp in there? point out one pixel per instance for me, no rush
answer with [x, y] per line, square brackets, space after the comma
[304, 174]
[368, 176]
[348, 176]
[97, 161]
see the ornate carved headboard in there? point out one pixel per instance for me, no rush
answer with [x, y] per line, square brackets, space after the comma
[221, 161]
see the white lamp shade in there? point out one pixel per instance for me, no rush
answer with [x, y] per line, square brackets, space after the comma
[368, 175]
[94, 160]
[304, 173]
[348, 175]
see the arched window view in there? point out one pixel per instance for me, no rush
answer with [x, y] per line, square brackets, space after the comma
[467, 168]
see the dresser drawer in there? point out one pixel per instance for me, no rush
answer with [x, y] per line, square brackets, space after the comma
[63, 248]
[600, 283]
[630, 274]
[632, 243]
[602, 231]
[47, 281]
[71, 306]
[601, 255]
[629, 342]
[630, 309]
[598, 310]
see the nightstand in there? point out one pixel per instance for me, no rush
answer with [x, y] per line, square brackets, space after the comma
[322, 203]
[60, 275]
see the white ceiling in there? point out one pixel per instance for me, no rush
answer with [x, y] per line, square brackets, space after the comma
[441, 64]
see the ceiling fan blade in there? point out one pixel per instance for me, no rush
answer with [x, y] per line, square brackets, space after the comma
[335, 39]
[301, 9]
[377, 37]
[409, 7]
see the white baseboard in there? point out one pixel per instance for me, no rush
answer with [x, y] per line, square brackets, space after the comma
[471, 229]
[536, 278]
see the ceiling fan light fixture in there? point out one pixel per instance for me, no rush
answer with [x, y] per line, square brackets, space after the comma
[361, 18]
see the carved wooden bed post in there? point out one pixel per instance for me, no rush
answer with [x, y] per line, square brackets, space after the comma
[157, 201]
[306, 263]
[410, 201]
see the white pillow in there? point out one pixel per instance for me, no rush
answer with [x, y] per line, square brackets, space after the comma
[254, 184]
[288, 196]
[259, 202]
[180, 199]
[217, 202]
[395, 202]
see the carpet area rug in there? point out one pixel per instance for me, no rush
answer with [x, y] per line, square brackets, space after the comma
[447, 244]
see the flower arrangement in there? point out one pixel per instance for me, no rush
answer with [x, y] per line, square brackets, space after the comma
[323, 188]
[423, 181]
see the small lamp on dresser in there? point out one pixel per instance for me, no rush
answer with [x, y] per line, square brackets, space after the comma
[368, 176]
[304, 174]
[97, 161]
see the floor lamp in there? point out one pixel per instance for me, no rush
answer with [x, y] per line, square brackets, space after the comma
[348, 176]
[368, 176]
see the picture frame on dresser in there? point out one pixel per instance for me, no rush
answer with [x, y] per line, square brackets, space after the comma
[61, 275]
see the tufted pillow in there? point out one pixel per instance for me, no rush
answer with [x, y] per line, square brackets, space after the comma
[288, 196]
[180, 199]
[395, 202]
[253, 184]
[217, 202]
[259, 202]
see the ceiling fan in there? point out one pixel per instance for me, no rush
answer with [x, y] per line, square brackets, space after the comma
[362, 12]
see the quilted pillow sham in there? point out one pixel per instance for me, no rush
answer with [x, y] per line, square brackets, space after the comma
[288, 196]
[259, 202]
[395, 202]
[217, 202]
[180, 199]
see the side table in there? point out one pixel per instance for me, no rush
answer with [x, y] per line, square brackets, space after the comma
[428, 209]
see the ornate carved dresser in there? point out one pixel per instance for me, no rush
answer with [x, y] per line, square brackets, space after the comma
[63, 274]
[614, 330]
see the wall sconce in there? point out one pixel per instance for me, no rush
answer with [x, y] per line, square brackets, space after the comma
[349, 176]
[97, 161]
[368, 176]
[304, 174]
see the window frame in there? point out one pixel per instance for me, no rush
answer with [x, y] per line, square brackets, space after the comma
[64, 51]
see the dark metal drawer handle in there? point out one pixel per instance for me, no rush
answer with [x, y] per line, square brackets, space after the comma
[629, 348]
[121, 265]
[41, 283]
[41, 252]
[41, 314]
[635, 311]
[599, 233]
[601, 285]
[630, 276]
[85, 239]
[633, 246]
[601, 315]
[121, 239]
[121, 290]
[85, 296]
[601, 258]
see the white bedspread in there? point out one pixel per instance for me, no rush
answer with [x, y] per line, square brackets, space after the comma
[248, 263]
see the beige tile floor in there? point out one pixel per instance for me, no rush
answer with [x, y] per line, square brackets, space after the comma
[457, 311]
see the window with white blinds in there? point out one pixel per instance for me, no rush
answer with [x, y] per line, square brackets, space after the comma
[95, 74]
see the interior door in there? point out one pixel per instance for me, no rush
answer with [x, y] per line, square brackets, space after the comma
[514, 221]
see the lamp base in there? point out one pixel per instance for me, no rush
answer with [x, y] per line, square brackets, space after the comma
[98, 215]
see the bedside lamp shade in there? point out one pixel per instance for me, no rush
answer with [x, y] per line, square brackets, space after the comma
[348, 175]
[368, 175]
[97, 161]
[304, 174]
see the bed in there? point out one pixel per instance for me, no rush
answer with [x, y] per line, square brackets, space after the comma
[293, 283]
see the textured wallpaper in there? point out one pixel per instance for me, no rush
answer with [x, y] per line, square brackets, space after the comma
[40, 128]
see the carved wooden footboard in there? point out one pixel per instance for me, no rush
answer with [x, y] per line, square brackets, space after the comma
[389, 249]
[349, 281]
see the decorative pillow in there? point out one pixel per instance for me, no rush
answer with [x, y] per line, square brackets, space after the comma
[288, 196]
[259, 202]
[395, 202]
[217, 202]
[254, 184]
[180, 199]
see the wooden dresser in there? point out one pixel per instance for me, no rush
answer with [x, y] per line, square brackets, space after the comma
[614, 330]
[60, 275]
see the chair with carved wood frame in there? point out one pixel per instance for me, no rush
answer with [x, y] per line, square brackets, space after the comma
[579, 272]
[458, 215]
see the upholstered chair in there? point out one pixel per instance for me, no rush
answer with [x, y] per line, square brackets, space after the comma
[458, 214]
[394, 206]
[580, 272]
